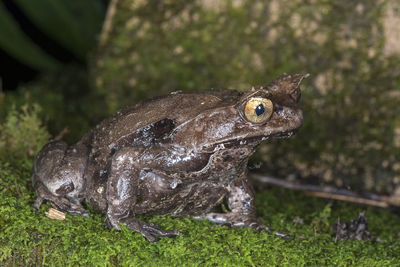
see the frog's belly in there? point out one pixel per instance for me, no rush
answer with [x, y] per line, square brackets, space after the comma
[194, 199]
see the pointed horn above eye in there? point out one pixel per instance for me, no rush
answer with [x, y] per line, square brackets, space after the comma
[288, 84]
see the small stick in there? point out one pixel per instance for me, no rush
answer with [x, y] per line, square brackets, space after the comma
[332, 192]
[61, 134]
[108, 22]
[359, 200]
[55, 214]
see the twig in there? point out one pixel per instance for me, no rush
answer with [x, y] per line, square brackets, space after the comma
[55, 214]
[105, 32]
[332, 193]
[358, 200]
[61, 134]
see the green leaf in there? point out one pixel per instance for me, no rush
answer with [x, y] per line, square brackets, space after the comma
[17, 44]
[74, 24]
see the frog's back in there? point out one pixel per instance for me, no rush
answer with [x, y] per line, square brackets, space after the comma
[139, 124]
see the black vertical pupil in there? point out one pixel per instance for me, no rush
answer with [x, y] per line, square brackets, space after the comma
[260, 109]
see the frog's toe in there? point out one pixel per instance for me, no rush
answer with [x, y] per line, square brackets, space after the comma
[37, 204]
[74, 212]
[262, 227]
[259, 227]
[65, 205]
[139, 226]
[148, 230]
[149, 236]
[152, 228]
[238, 220]
[77, 210]
[283, 235]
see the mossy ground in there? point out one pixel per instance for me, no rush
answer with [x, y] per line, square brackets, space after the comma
[30, 238]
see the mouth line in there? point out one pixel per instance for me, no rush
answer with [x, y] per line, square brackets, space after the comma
[250, 141]
[287, 134]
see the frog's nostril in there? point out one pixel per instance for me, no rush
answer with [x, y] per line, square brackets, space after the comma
[279, 110]
[295, 95]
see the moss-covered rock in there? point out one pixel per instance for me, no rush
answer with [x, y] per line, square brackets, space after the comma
[68, 105]
[22, 135]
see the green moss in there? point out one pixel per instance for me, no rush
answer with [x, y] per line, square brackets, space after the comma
[30, 238]
[68, 104]
[22, 134]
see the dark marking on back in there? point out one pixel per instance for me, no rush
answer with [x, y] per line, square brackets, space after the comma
[153, 133]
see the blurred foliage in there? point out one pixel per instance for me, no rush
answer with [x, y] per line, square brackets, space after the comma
[22, 135]
[350, 102]
[18, 45]
[69, 106]
[74, 25]
[321, 221]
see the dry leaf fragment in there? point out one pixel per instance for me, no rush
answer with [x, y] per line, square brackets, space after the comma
[55, 214]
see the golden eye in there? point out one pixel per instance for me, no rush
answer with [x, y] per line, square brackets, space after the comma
[258, 110]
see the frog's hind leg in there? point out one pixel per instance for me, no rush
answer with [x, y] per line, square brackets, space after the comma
[57, 176]
[122, 188]
[243, 213]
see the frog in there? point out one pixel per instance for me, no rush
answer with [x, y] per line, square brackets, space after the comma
[180, 155]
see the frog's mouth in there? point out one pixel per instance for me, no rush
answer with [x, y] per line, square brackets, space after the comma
[250, 141]
[285, 134]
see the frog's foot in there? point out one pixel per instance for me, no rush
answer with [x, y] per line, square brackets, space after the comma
[233, 219]
[60, 203]
[148, 230]
[65, 205]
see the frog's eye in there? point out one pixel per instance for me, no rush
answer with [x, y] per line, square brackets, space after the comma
[258, 110]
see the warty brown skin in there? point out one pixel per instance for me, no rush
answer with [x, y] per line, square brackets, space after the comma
[179, 155]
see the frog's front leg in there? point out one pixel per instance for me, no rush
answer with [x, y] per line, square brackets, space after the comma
[122, 190]
[242, 210]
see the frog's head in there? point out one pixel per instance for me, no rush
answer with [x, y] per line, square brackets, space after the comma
[251, 117]
[273, 111]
